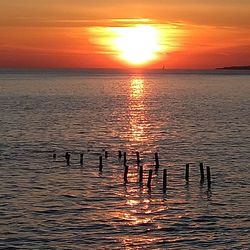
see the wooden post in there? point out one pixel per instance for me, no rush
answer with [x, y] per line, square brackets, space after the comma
[67, 156]
[100, 163]
[125, 159]
[106, 154]
[156, 161]
[141, 174]
[126, 174]
[208, 178]
[202, 172]
[81, 158]
[164, 180]
[119, 154]
[138, 158]
[187, 172]
[150, 172]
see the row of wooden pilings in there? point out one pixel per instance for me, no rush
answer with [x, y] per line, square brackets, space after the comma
[150, 172]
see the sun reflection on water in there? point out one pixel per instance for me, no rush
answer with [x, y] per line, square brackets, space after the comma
[138, 210]
[137, 117]
[137, 87]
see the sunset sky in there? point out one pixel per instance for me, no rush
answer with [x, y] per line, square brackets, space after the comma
[189, 34]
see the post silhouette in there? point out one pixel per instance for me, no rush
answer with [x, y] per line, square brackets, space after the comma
[81, 158]
[138, 158]
[124, 158]
[156, 161]
[164, 180]
[54, 156]
[202, 173]
[141, 174]
[126, 174]
[208, 178]
[150, 172]
[119, 154]
[100, 163]
[106, 154]
[67, 156]
[187, 172]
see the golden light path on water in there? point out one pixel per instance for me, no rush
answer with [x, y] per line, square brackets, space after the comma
[141, 212]
[137, 117]
[142, 131]
[138, 132]
[139, 208]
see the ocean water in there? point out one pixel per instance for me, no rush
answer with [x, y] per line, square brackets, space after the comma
[187, 117]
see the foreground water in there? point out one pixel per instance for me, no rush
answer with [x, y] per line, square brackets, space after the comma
[45, 204]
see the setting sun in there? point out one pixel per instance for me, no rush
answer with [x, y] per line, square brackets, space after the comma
[137, 45]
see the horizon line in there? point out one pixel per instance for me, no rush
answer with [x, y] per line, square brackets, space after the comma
[129, 69]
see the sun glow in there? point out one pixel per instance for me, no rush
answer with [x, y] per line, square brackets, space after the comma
[137, 45]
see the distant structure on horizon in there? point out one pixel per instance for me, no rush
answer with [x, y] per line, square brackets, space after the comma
[236, 68]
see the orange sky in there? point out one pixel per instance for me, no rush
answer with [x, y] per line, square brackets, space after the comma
[75, 33]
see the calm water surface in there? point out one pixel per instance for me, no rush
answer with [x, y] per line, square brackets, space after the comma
[45, 204]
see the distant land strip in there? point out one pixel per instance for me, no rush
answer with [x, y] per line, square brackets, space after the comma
[236, 68]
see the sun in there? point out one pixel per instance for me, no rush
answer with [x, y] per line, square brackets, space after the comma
[133, 43]
[137, 45]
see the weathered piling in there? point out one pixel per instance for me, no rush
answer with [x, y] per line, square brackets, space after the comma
[164, 180]
[81, 158]
[67, 156]
[187, 173]
[54, 156]
[119, 154]
[137, 158]
[208, 178]
[124, 158]
[106, 154]
[100, 163]
[156, 161]
[202, 172]
[150, 172]
[141, 174]
[126, 174]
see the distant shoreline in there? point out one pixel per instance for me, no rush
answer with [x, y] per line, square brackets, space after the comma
[235, 68]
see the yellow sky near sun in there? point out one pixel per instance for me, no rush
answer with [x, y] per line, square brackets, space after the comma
[77, 33]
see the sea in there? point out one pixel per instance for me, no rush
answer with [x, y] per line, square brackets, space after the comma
[186, 117]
